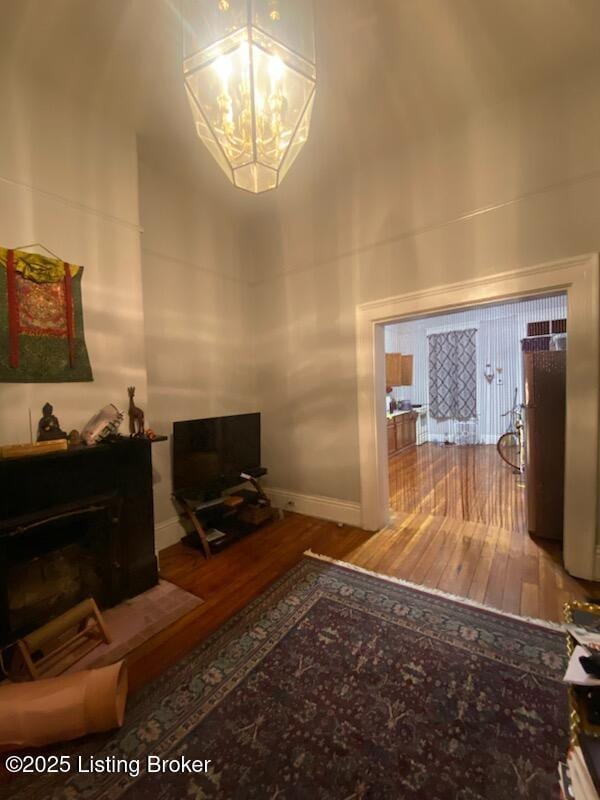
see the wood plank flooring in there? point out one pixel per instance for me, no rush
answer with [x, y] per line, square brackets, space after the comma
[459, 526]
[467, 483]
[487, 563]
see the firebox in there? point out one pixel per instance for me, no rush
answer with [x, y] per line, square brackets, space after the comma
[74, 524]
[55, 559]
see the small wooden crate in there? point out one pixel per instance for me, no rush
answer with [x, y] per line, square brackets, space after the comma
[256, 514]
[54, 647]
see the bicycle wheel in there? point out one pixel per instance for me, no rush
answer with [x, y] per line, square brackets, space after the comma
[508, 450]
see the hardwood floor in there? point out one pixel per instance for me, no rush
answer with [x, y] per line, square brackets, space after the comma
[231, 579]
[459, 526]
[468, 483]
[490, 564]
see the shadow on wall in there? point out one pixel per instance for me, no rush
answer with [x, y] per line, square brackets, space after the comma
[69, 181]
[397, 226]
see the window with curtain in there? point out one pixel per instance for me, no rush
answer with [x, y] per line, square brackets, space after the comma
[453, 375]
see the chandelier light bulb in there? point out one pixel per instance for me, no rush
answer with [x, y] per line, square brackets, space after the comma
[223, 68]
[276, 68]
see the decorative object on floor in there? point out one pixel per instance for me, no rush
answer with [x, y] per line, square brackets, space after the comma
[136, 415]
[52, 649]
[250, 73]
[102, 425]
[137, 619]
[61, 709]
[49, 426]
[336, 683]
[41, 319]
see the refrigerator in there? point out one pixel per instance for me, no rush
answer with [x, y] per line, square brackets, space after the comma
[544, 375]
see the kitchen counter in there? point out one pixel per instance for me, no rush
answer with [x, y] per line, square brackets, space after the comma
[393, 414]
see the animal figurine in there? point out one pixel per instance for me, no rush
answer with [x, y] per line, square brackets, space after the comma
[136, 415]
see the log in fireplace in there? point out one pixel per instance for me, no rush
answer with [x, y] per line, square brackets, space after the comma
[74, 524]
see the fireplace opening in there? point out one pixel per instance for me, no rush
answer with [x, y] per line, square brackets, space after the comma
[59, 558]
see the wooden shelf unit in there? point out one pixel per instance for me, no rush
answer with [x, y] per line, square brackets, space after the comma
[235, 515]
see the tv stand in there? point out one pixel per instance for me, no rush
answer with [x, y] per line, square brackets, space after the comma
[219, 522]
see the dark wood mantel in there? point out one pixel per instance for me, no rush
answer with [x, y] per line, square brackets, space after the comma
[70, 482]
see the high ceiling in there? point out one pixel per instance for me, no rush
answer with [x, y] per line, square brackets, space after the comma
[388, 70]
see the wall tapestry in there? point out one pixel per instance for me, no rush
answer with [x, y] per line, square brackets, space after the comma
[41, 320]
[453, 375]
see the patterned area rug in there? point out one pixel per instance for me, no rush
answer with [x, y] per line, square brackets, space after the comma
[340, 684]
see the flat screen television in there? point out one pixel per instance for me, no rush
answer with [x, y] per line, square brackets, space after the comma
[210, 454]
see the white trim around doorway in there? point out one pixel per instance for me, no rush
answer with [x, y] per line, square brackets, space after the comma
[579, 278]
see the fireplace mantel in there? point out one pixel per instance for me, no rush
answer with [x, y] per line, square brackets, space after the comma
[44, 487]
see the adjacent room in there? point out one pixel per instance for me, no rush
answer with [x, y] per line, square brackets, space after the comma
[463, 391]
[299, 399]
[462, 384]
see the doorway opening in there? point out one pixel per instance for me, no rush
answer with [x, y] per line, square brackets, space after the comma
[442, 554]
[475, 414]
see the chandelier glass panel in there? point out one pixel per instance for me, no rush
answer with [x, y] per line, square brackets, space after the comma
[250, 74]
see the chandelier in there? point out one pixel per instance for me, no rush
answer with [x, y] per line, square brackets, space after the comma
[250, 73]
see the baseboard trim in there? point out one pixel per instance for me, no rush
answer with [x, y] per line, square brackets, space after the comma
[171, 530]
[441, 438]
[313, 505]
[167, 533]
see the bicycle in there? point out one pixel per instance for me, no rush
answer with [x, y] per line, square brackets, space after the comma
[511, 445]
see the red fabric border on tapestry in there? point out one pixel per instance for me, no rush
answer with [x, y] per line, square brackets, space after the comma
[69, 313]
[13, 310]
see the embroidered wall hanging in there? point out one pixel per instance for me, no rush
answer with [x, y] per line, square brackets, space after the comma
[41, 320]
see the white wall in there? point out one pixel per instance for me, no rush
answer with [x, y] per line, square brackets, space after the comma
[68, 179]
[499, 333]
[198, 310]
[515, 186]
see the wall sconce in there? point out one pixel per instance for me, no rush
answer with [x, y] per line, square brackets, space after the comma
[488, 373]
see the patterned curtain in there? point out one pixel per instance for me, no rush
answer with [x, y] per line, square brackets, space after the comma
[453, 375]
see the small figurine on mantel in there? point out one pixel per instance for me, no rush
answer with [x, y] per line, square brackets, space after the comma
[136, 415]
[48, 426]
[74, 438]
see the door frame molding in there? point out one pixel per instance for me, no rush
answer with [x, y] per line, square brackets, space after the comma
[579, 277]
